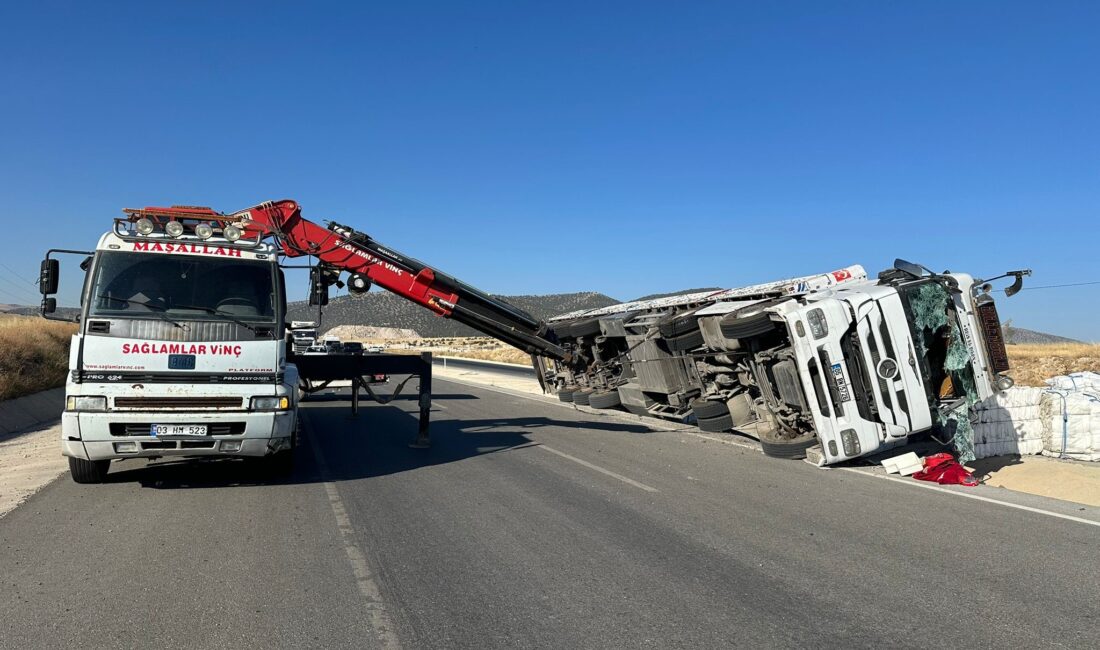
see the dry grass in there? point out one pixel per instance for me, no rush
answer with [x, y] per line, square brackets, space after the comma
[1033, 363]
[34, 354]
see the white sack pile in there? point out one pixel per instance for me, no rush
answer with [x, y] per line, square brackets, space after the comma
[1071, 416]
[1009, 423]
[1062, 421]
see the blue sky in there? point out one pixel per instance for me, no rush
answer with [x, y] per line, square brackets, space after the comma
[622, 147]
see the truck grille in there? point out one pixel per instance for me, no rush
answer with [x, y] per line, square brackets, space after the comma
[143, 428]
[178, 402]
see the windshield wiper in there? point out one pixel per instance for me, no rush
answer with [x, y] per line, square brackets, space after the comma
[218, 312]
[151, 306]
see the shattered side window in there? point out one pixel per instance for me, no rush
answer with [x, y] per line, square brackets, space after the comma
[949, 375]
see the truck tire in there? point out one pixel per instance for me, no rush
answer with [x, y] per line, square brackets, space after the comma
[707, 409]
[88, 471]
[581, 328]
[565, 394]
[604, 399]
[790, 448]
[679, 325]
[719, 424]
[685, 342]
[743, 327]
[582, 396]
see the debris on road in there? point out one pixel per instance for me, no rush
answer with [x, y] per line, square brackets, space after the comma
[905, 464]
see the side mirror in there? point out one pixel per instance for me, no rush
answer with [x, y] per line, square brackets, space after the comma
[915, 270]
[318, 287]
[318, 294]
[1015, 287]
[47, 276]
[49, 305]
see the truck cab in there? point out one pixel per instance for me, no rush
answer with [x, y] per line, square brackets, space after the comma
[859, 368]
[181, 349]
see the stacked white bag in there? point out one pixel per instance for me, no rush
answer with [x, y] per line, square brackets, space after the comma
[1071, 416]
[1009, 423]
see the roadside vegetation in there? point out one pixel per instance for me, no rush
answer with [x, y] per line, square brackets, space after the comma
[34, 354]
[1034, 362]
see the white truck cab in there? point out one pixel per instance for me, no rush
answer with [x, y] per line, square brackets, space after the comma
[866, 364]
[181, 350]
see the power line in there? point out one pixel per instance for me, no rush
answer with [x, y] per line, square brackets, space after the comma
[17, 287]
[16, 273]
[18, 299]
[1059, 286]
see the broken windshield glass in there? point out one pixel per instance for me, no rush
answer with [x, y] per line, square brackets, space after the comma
[945, 362]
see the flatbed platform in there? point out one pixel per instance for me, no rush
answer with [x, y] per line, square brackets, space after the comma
[360, 369]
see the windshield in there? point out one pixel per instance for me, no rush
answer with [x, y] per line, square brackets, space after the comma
[944, 359]
[182, 287]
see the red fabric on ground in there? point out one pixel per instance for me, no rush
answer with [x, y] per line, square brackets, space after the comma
[945, 470]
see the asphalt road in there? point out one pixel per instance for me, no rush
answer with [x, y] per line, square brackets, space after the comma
[506, 369]
[532, 525]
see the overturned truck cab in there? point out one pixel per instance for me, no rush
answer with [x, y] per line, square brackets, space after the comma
[854, 366]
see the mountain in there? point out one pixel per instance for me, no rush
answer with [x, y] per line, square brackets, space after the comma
[380, 309]
[1019, 335]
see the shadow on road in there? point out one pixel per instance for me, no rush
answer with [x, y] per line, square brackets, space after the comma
[376, 443]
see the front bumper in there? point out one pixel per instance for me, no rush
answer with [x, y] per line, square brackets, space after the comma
[105, 436]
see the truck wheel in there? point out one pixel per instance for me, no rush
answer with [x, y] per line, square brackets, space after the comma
[679, 325]
[734, 327]
[565, 395]
[590, 327]
[707, 409]
[88, 471]
[685, 342]
[792, 448]
[715, 425]
[581, 396]
[604, 399]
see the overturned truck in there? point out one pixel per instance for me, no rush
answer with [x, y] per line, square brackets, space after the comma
[837, 365]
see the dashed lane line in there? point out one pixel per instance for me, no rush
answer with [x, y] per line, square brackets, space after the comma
[377, 616]
[592, 466]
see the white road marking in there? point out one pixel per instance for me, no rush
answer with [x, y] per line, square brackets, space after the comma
[628, 481]
[977, 497]
[377, 616]
[747, 445]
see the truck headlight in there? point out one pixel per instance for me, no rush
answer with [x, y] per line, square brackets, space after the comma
[144, 226]
[818, 326]
[269, 403]
[85, 403]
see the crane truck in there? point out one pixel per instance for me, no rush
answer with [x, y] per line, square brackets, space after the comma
[183, 349]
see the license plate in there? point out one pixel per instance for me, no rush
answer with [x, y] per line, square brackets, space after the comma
[160, 430]
[841, 383]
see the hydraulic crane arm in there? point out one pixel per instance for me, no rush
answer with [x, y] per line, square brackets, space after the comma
[345, 249]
